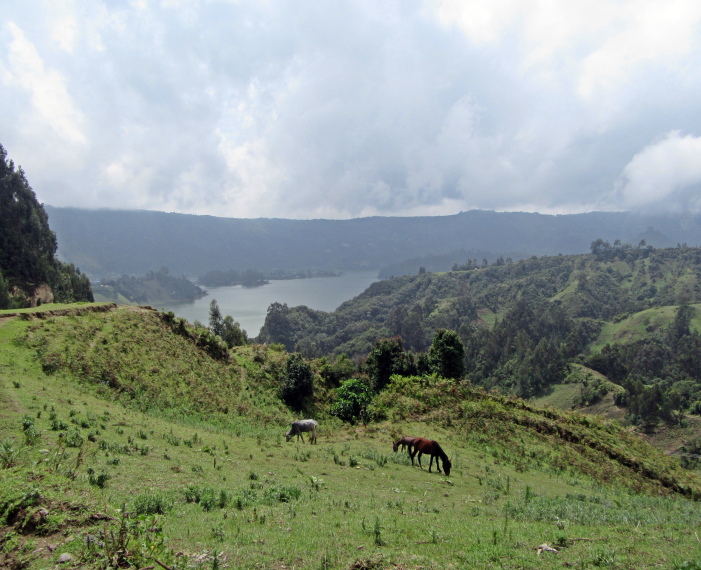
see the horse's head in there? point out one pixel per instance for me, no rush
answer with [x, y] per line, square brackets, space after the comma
[446, 466]
[289, 435]
[395, 445]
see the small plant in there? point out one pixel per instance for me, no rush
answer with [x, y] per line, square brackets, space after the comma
[193, 493]
[282, 494]
[172, 439]
[134, 542]
[377, 532]
[16, 384]
[211, 499]
[10, 453]
[73, 439]
[99, 480]
[32, 436]
[217, 534]
[58, 425]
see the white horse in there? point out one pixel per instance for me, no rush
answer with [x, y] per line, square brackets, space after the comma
[301, 426]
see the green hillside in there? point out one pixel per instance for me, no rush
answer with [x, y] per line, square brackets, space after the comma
[128, 438]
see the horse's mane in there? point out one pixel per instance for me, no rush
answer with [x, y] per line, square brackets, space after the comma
[442, 454]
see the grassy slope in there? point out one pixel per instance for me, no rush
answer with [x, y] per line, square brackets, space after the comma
[521, 476]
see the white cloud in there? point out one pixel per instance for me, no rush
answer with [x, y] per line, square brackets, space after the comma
[665, 174]
[46, 88]
[340, 109]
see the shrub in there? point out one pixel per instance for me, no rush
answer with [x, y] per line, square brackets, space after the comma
[282, 494]
[152, 504]
[353, 396]
[10, 453]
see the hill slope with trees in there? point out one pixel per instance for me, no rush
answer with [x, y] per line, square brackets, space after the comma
[523, 325]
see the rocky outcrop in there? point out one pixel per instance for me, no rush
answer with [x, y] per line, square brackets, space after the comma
[41, 295]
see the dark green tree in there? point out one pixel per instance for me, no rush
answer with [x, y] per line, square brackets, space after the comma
[447, 354]
[277, 328]
[298, 384]
[232, 333]
[225, 327]
[27, 244]
[4, 293]
[386, 358]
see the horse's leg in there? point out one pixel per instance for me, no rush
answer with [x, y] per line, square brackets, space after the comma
[313, 437]
[421, 466]
[412, 454]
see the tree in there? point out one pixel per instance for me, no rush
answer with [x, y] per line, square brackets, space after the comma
[232, 333]
[277, 328]
[386, 358]
[447, 354]
[215, 318]
[298, 384]
[226, 328]
[4, 293]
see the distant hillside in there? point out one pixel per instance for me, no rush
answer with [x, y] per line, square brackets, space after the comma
[107, 243]
[154, 288]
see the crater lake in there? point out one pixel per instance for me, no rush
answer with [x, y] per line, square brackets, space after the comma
[249, 305]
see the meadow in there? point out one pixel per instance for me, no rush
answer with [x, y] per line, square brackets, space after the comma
[107, 478]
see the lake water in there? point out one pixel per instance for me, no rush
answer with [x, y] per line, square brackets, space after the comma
[249, 305]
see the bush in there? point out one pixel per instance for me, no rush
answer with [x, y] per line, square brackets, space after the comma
[353, 396]
[155, 504]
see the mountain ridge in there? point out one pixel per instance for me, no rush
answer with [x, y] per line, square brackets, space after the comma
[115, 242]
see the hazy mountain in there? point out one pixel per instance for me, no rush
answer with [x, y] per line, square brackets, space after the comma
[108, 242]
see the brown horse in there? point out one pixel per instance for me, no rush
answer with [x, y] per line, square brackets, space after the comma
[430, 447]
[405, 442]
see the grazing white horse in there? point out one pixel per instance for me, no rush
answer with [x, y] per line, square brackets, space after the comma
[301, 426]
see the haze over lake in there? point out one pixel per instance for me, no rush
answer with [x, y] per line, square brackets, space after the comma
[249, 305]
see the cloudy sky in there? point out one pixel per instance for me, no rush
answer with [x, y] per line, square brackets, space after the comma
[348, 108]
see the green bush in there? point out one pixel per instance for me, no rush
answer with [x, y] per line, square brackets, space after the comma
[353, 396]
[152, 504]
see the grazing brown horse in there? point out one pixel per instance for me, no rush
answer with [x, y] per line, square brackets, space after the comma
[430, 447]
[405, 442]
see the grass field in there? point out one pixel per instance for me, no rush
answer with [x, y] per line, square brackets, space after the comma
[97, 479]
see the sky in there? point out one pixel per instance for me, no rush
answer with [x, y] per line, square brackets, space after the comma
[353, 108]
